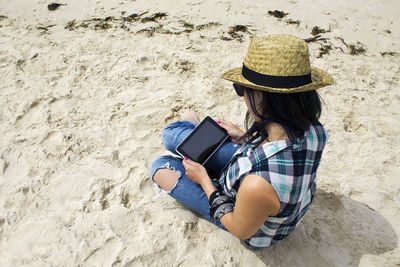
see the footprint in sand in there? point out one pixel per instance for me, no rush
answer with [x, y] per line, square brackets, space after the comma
[107, 254]
[98, 198]
[351, 124]
[54, 144]
[33, 114]
[145, 188]
[59, 109]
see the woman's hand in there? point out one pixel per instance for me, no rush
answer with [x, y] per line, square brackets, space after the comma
[198, 174]
[195, 171]
[234, 132]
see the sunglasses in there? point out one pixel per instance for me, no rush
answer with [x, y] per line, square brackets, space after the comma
[239, 89]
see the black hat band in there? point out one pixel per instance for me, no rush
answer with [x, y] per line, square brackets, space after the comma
[275, 81]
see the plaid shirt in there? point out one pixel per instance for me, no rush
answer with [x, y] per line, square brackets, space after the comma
[291, 170]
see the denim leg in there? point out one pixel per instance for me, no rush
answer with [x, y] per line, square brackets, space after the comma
[185, 191]
[176, 132]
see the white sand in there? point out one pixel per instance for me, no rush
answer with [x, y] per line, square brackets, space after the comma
[82, 112]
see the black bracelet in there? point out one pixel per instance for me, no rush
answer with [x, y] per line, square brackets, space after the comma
[220, 204]
[222, 210]
[214, 195]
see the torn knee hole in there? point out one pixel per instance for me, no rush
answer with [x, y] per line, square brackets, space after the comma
[166, 178]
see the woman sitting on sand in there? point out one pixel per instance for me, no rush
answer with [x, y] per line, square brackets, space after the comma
[267, 174]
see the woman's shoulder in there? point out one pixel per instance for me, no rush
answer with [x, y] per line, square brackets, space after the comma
[317, 134]
[260, 190]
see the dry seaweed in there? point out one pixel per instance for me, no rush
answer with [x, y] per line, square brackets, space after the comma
[291, 21]
[277, 14]
[150, 30]
[187, 25]
[124, 22]
[238, 28]
[224, 38]
[54, 6]
[154, 17]
[234, 32]
[356, 49]
[317, 30]
[2, 17]
[103, 26]
[324, 49]
[315, 39]
[342, 40]
[389, 53]
[71, 25]
[44, 29]
[207, 25]
[133, 17]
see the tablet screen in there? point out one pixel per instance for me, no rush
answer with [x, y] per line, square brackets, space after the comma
[203, 141]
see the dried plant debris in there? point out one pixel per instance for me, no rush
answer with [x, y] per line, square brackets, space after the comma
[354, 49]
[317, 30]
[150, 30]
[280, 14]
[154, 17]
[54, 6]
[110, 22]
[103, 26]
[357, 49]
[44, 29]
[238, 28]
[342, 40]
[389, 53]
[2, 17]
[291, 21]
[207, 26]
[188, 26]
[315, 39]
[71, 25]
[388, 31]
[277, 14]
[324, 49]
[133, 16]
[126, 23]
[235, 33]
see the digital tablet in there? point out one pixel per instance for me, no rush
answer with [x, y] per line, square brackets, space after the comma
[203, 141]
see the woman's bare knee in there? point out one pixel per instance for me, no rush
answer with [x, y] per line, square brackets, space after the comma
[166, 178]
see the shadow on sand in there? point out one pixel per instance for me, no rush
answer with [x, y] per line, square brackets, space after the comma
[336, 231]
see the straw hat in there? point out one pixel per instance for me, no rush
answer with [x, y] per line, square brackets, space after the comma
[280, 64]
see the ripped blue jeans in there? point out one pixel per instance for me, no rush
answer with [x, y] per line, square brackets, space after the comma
[186, 191]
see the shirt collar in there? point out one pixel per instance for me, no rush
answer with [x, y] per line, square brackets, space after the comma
[269, 149]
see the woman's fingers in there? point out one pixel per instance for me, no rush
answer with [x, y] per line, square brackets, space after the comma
[225, 125]
[186, 160]
[234, 132]
[231, 128]
[187, 163]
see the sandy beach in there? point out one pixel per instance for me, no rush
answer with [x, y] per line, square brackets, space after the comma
[87, 87]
